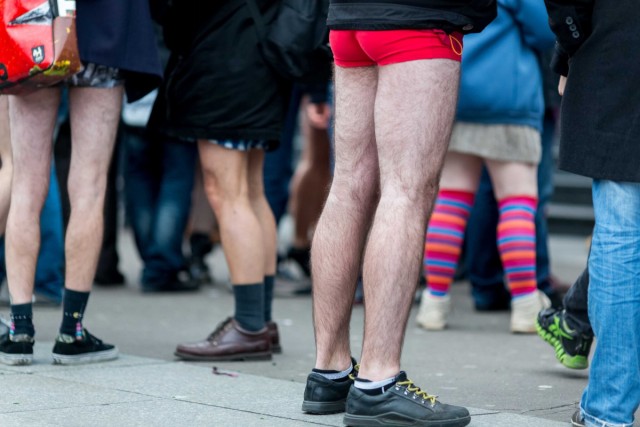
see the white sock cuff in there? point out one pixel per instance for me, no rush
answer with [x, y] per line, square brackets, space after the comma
[338, 375]
[372, 385]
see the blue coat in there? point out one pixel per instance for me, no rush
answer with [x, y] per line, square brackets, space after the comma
[120, 34]
[501, 78]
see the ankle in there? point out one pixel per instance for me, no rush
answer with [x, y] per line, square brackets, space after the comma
[374, 371]
[336, 363]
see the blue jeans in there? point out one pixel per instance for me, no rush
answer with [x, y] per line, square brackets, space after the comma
[49, 280]
[613, 393]
[159, 178]
[481, 251]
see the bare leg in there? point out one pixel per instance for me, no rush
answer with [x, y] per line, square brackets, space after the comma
[6, 164]
[513, 178]
[202, 218]
[226, 184]
[262, 210]
[32, 122]
[461, 172]
[310, 182]
[414, 111]
[336, 254]
[94, 122]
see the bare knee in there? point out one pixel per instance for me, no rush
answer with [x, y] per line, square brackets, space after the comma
[224, 198]
[87, 191]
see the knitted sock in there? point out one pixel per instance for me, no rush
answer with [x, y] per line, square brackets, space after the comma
[249, 306]
[444, 239]
[374, 388]
[338, 376]
[268, 297]
[73, 305]
[22, 319]
[517, 243]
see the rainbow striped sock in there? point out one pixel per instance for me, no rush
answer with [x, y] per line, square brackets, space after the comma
[444, 239]
[517, 243]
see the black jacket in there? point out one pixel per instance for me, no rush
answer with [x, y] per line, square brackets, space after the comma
[466, 16]
[217, 85]
[600, 124]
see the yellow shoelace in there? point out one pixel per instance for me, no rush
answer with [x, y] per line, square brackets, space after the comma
[411, 388]
[354, 372]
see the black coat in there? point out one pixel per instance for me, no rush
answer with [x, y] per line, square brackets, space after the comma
[217, 85]
[600, 113]
[119, 34]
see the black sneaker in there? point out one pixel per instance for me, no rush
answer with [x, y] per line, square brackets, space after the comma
[572, 346]
[576, 419]
[69, 351]
[16, 349]
[403, 404]
[323, 396]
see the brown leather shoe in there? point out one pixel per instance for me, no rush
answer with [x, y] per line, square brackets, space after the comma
[276, 348]
[229, 342]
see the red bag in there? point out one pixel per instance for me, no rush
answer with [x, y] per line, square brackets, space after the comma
[38, 44]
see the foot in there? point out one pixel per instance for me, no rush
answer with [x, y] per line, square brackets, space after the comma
[229, 342]
[403, 404]
[16, 349]
[69, 350]
[177, 282]
[433, 311]
[577, 420]
[276, 348]
[199, 271]
[109, 278]
[524, 311]
[572, 346]
[323, 396]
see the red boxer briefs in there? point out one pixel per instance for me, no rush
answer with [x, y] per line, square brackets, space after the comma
[355, 48]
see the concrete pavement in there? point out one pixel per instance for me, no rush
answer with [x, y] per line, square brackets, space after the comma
[507, 380]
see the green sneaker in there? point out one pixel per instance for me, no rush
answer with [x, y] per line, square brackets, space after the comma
[572, 346]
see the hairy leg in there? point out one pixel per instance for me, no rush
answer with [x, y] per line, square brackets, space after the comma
[414, 111]
[32, 122]
[95, 114]
[227, 187]
[340, 235]
[6, 165]
[310, 182]
[262, 210]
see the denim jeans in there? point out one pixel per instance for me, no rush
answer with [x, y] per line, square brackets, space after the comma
[481, 251]
[159, 176]
[613, 393]
[49, 279]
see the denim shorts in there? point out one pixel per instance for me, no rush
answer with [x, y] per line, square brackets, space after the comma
[245, 145]
[96, 76]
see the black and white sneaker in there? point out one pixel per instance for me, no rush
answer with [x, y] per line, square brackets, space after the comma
[16, 349]
[70, 351]
[403, 404]
[576, 419]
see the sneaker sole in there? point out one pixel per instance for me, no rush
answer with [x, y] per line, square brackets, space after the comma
[16, 359]
[242, 357]
[100, 356]
[571, 362]
[324, 408]
[399, 420]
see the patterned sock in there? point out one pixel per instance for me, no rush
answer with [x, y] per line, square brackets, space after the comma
[73, 305]
[22, 320]
[268, 297]
[444, 239]
[517, 243]
[249, 306]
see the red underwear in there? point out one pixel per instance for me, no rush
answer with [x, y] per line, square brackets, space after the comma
[352, 48]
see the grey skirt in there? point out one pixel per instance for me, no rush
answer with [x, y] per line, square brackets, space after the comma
[509, 143]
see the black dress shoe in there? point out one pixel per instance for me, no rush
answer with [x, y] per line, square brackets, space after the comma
[177, 282]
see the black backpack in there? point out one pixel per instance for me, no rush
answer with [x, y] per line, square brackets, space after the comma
[296, 42]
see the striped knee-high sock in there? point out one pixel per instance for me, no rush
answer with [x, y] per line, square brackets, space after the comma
[517, 243]
[444, 239]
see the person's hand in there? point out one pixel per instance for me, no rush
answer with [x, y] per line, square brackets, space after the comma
[319, 115]
[561, 85]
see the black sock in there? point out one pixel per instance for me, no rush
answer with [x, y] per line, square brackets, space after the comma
[249, 306]
[22, 319]
[268, 297]
[73, 305]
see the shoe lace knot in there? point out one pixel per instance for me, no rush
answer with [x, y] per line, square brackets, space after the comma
[412, 388]
[222, 326]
